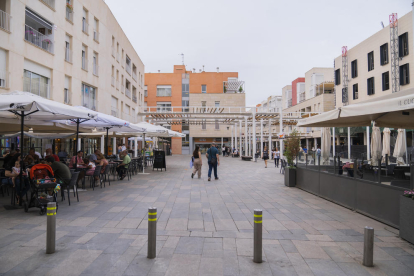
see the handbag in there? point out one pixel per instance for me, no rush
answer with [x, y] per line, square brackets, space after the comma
[191, 162]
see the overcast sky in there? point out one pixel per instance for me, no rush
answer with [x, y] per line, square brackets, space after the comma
[269, 42]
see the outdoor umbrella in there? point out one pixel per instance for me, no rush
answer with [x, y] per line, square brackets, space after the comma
[400, 147]
[386, 144]
[173, 133]
[375, 145]
[36, 108]
[326, 145]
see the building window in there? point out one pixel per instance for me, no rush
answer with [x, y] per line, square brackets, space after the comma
[66, 91]
[38, 31]
[384, 54]
[385, 81]
[84, 57]
[95, 64]
[186, 105]
[163, 106]
[88, 96]
[354, 69]
[114, 106]
[163, 90]
[36, 84]
[185, 89]
[371, 61]
[404, 74]
[355, 91]
[403, 44]
[145, 92]
[370, 86]
[203, 88]
[128, 64]
[217, 125]
[68, 51]
[85, 25]
[337, 77]
[217, 104]
[96, 30]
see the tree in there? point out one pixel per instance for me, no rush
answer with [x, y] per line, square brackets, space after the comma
[292, 144]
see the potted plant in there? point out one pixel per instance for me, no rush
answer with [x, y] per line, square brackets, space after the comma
[240, 89]
[407, 216]
[292, 147]
[224, 88]
[69, 6]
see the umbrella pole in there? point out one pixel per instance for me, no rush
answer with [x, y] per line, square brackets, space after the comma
[21, 150]
[143, 155]
[76, 145]
[106, 143]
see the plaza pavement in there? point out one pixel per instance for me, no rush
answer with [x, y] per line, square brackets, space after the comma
[204, 228]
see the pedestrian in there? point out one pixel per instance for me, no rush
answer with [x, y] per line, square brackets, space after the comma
[318, 151]
[197, 163]
[276, 156]
[223, 149]
[213, 160]
[265, 156]
[228, 151]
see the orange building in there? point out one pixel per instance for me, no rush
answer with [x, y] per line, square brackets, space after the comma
[164, 91]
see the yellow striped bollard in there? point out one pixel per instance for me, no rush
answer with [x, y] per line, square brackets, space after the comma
[51, 228]
[257, 239]
[152, 232]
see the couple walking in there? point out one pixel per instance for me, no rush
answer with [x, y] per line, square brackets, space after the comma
[212, 158]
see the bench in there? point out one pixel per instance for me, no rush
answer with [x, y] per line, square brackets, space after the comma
[235, 155]
[247, 158]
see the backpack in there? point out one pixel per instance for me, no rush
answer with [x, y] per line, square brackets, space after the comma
[213, 159]
[318, 152]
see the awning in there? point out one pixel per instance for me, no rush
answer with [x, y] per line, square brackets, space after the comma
[394, 110]
[40, 135]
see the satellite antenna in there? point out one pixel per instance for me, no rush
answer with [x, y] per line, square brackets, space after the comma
[182, 56]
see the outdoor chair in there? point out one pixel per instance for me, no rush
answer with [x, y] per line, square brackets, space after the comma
[105, 175]
[390, 169]
[72, 185]
[282, 166]
[92, 179]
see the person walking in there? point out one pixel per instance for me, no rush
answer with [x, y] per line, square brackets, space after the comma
[197, 162]
[213, 159]
[223, 149]
[265, 156]
[276, 156]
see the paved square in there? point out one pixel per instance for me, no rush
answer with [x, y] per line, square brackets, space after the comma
[204, 228]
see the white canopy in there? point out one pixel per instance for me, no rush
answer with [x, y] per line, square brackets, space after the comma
[173, 133]
[386, 143]
[150, 130]
[147, 139]
[375, 145]
[394, 110]
[40, 135]
[326, 145]
[400, 147]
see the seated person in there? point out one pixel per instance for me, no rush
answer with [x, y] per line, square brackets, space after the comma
[60, 170]
[91, 168]
[20, 188]
[102, 161]
[8, 158]
[32, 158]
[6, 152]
[50, 153]
[121, 168]
[62, 154]
[76, 159]
[93, 157]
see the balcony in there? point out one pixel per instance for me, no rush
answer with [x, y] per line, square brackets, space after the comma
[117, 85]
[114, 111]
[38, 39]
[134, 98]
[289, 104]
[302, 97]
[49, 3]
[128, 93]
[67, 96]
[85, 27]
[134, 76]
[96, 69]
[95, 35]
[68, 55]
[113, 81]
[84, 64]
[233, 86]
[5, 20]
[128, 68]
[4, 80]
[69, 14]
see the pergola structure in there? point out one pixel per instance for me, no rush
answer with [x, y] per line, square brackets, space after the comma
[236, 117]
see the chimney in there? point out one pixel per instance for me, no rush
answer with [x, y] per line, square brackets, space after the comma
[194, 70]
[159, 71]
[203, 65]
[218, 71]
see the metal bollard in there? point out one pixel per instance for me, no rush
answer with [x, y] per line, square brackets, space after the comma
[368, 259]
[152, 232]
[51, 228]
[257, 241]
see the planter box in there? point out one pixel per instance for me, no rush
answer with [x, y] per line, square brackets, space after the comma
[290, 177]
[407, 219]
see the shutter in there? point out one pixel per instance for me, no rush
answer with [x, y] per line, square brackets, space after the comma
[400, 47]
[401, 76]
[407, 73]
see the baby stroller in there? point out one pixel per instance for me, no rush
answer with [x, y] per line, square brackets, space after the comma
[43, 188]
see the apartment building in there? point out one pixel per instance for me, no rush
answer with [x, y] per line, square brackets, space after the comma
[271, 104]
[184, 90]
[70, 51]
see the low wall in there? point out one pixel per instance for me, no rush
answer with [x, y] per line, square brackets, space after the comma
[381, 202]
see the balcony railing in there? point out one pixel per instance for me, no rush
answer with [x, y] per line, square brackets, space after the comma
[128, 68]
[302, 97]
[38, 39]
[96, 69]
[49, 3]
[85, 26]
[84, 64]
[117, 84]
[68, 55]
[114, 112]
[127, 93]
[134, 98]
[5, 19]
[69, 14]
[112, 81]
[4, 79]
[95, 35]
[234, 86]
[67, 96]
[134, 75]
[289, 103]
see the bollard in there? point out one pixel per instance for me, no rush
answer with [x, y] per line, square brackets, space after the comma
[368, 259]
[51, 228]
[257, 239]
[152, 232]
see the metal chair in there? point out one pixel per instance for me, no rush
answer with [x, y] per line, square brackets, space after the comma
[92, 179]
[105, 175]
[72, 184]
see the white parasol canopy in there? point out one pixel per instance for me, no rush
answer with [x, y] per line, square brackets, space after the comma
[40, 135]
[400, 147]
[386, 143]
[147, 139]
[326, 145]
[173, 133]
[375, 145]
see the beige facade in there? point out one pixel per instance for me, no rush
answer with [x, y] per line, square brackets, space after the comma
[286, 93]
[360, 53]
[78, 57]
